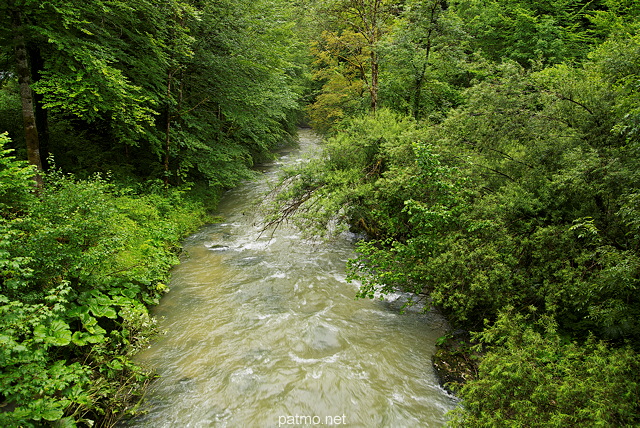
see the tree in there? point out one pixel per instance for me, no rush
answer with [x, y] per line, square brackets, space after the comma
[425, 44]
[347, 53]
[26, 95]
[86, 64]
[424, 59]
[235, 96]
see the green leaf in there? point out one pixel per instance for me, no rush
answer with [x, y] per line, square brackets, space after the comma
[81, 338]
[103, 311]
[67, 422]
[52, 414]
[57, 333]
[48, 409]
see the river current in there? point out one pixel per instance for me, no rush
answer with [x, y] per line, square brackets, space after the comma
[263, 330]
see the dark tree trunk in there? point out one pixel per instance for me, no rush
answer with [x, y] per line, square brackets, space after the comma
[36, 63]
[419, 81]
[373, 40]
[374, 80]
[167, 140]
[26, 96]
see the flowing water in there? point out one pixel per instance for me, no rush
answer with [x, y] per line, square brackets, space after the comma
[264, 331]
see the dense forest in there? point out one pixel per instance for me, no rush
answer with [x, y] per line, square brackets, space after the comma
[488, 152]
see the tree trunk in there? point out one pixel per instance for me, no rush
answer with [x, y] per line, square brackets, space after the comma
[374, 80]
[26, 96]
[36, 63]
[374, 38]
[167, 141]
[419, 81]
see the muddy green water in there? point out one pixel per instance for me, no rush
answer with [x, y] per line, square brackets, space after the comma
[264, 331]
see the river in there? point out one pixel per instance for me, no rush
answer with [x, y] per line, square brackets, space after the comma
[264, 331]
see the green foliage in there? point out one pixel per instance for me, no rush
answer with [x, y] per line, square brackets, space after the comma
[343, 89]
[15, 184]
[162, 94]
[532, 376]
[10, 120]
[79, 267]
[347, 59]
[615, 17]
[185, 91]
[236, 97]
[528, 31]
[360, 163]
[518, 202]
[424, 61]
[78, 231]
[34, 380]
[617, 61]
[520, 197]
[86, 60]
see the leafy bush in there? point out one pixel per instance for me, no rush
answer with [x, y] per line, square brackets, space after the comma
[15, 183]
[79, 266]
[532, 376]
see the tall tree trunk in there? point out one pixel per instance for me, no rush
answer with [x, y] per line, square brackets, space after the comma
[419, 81]
[417, 98]
[374, 80]
[374, 38]
[167, 141]
[179, 108]
[36, 63]
[26, 96]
